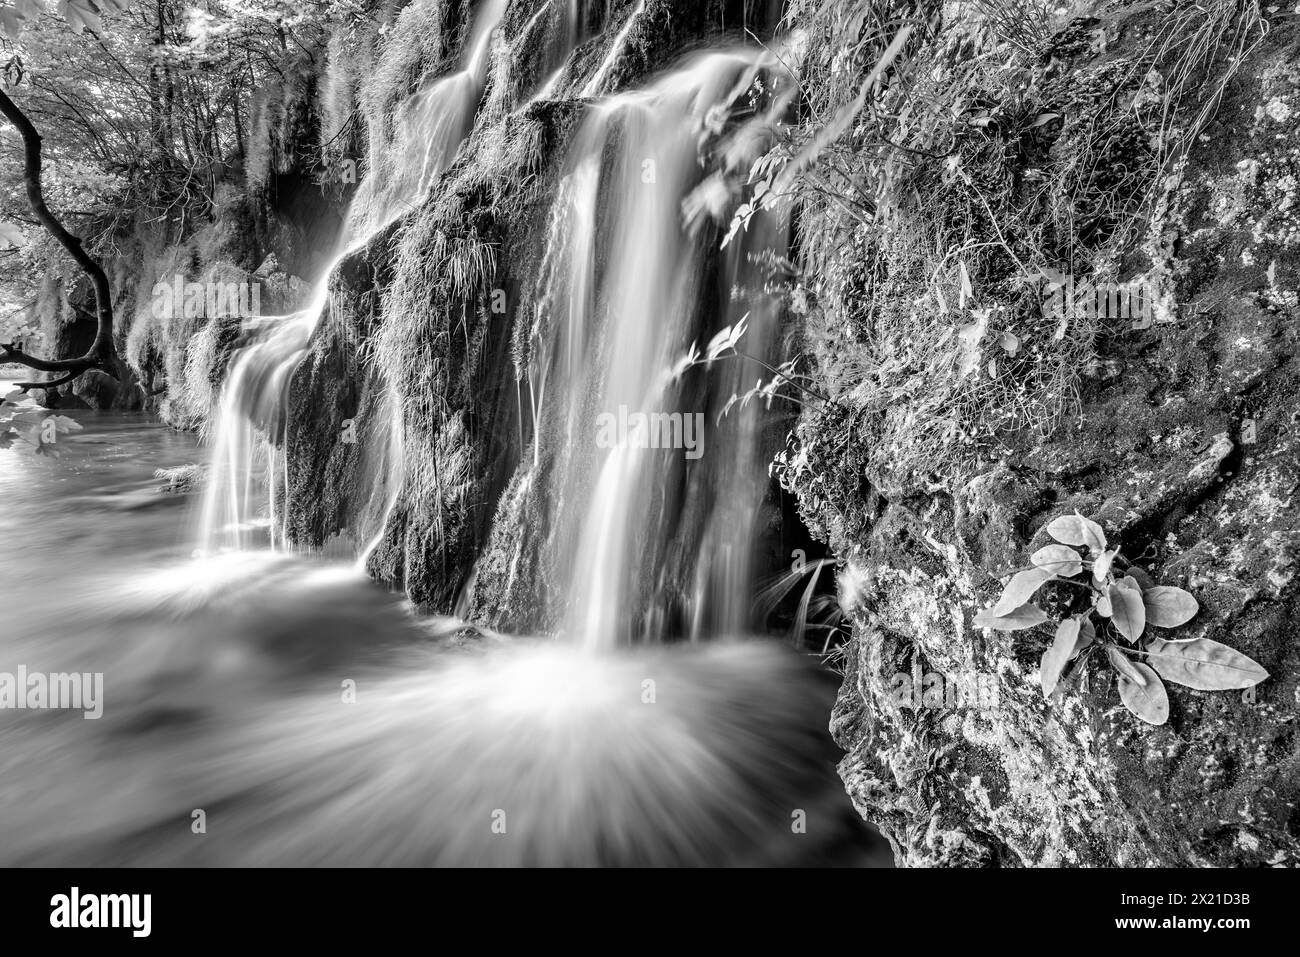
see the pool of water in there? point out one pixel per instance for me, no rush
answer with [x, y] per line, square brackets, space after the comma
[262, 708]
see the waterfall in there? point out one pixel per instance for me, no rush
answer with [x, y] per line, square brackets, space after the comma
[321, 717]
[249, 431]
[654, 483]
[655, 496]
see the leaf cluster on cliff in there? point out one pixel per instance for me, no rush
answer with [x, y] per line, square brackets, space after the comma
[1126, 602]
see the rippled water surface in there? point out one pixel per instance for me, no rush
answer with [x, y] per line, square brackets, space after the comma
[303, 715]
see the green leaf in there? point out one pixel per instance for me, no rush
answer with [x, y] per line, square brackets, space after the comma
[16, 404]
[80, 14]
[1019, 590]
[969, 336]
[1101, 567]
[1121, 663]
[1058, 559]
[726, 339]
[1149, 700]
[28, 416]
[63, 424]
[1055, 657]
[1102, 604]
[1128, 613]
[1144, 581]
[1026, 616]
[1203, 664]
[1087, 635]
[1169, 607]
[1077, 530]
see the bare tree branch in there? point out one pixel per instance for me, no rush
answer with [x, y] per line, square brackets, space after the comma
[101, 354]
[52, 384]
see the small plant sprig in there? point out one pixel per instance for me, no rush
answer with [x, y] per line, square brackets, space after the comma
[725, 345]
[1126, 604]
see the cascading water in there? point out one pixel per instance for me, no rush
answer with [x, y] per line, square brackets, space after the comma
[250, 425]
[596, 84]
[571, 30]
[649, 535]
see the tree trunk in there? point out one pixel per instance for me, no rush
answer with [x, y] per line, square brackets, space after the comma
[101, 354]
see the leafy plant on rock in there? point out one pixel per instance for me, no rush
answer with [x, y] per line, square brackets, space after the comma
[1116, 608]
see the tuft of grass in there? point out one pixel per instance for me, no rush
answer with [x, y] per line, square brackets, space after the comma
[1024, 24]
[181, 479]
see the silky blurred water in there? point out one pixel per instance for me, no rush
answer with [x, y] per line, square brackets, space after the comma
[306, 716]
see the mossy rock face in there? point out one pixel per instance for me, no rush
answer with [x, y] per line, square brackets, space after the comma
[1184, 447]
[1187, 451]
[97, 389]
